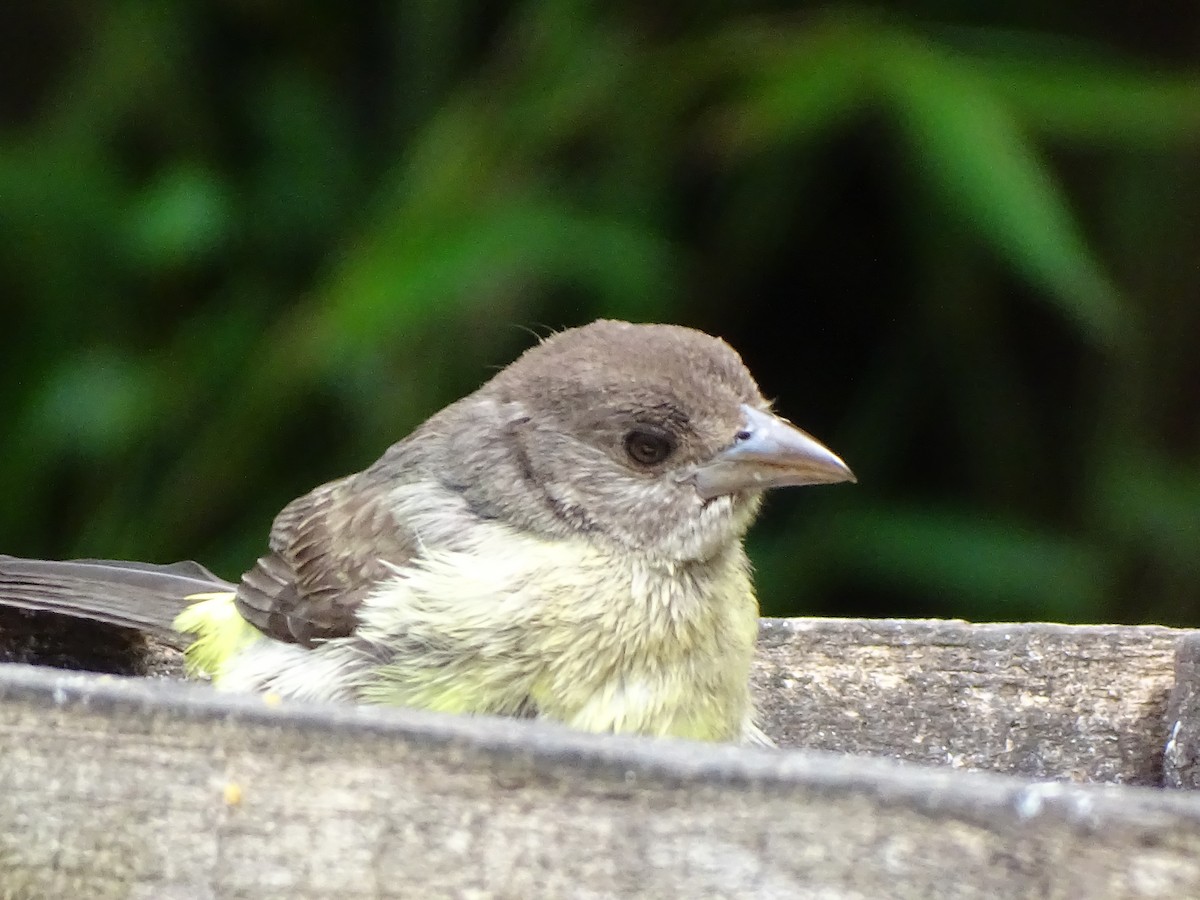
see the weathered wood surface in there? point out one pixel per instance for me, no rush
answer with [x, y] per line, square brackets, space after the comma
[1181, 761]
[125, 788]
[1083, 703]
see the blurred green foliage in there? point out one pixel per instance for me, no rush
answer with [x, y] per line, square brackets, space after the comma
[248, 244]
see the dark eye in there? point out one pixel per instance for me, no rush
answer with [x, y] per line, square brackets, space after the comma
[648, 446]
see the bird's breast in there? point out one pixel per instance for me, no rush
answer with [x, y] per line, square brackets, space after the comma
[659, 648]
[604, 641]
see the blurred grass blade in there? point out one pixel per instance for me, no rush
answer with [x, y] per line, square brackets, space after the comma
[792, 87]
[972, 149]
[1096, 103]
[1073, 89]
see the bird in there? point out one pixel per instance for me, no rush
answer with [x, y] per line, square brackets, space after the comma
[565, 543]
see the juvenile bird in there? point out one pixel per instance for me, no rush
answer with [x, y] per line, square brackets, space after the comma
[566, 543]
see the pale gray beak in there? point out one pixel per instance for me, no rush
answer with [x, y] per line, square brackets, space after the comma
[768, 452]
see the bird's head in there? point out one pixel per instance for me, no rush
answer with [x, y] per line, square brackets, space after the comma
[652, 438]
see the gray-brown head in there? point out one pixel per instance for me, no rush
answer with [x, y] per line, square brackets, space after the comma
[654, 438]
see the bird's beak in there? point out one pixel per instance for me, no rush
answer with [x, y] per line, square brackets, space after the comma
[768, 452]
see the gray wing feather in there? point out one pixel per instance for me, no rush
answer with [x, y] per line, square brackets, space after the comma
[142, 596]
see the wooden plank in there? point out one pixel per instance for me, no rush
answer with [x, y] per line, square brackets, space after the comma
[1082, 703]
[128, 788]
[1181, 759]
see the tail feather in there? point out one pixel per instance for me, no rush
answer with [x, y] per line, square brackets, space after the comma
[143, 596]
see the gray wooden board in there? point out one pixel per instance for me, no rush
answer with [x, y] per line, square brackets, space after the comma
[1181, 760]
[136, 788]
[1083, 703]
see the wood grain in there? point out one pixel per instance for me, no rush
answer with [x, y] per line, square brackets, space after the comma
[1083, 703]
[153, 788]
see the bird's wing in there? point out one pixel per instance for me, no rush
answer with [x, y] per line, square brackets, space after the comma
[328, 549]
[142, 596]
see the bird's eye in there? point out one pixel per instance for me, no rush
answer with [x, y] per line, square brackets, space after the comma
[649, 446]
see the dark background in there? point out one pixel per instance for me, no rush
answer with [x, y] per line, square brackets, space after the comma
[244, 246]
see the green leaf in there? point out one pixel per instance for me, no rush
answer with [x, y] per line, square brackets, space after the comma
[971, 148]
[1070, 88]
[1096, 103]
[793, 86]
